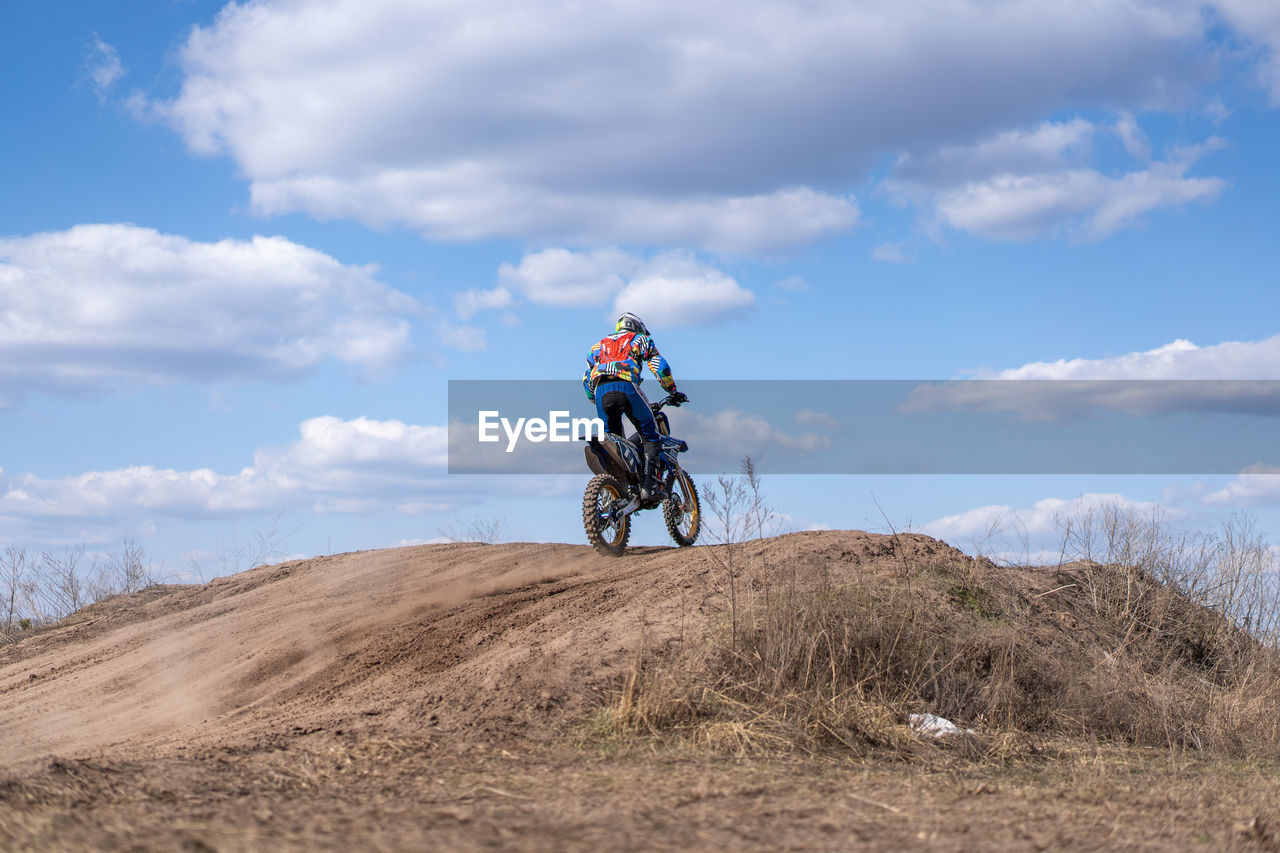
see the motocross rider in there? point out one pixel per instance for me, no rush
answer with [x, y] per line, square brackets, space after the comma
[612, 381]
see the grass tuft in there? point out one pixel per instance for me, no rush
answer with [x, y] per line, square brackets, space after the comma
[1156, 646]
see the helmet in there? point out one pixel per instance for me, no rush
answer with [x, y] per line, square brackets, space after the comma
[631, 323]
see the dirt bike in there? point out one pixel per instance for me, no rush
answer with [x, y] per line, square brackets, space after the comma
[614, 493]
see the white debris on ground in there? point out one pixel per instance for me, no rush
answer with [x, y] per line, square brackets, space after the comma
[931, 724]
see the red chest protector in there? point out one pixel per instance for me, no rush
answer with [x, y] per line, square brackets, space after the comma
[616, 349]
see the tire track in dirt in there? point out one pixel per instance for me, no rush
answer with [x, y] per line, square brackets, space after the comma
[387, 639]
[506, 640]
[514, 656]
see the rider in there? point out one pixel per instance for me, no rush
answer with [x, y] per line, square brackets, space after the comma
[613, 381]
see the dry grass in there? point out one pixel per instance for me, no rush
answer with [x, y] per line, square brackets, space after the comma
[1162, 642]
[402, 797]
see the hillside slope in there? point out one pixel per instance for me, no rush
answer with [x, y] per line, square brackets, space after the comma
[494, 639]
[407, 637]
[445, 697]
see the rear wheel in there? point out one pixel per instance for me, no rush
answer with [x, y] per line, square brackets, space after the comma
[606, 532]
[681, 510]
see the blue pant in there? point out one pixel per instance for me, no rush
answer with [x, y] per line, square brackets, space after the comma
[615, 399]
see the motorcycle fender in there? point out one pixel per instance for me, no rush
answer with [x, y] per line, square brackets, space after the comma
[603, 458]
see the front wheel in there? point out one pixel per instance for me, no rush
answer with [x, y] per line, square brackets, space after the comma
[681, 510]
[606, 532]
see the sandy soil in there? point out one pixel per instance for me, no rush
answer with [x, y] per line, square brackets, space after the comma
[442, 697]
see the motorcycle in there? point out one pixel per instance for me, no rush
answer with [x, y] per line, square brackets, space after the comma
[614, 493]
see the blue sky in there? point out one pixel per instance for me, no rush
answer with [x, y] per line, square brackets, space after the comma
[245, 246]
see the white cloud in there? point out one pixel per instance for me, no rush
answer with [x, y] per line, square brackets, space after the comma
[891, 253]
[1180, 359]
[99, 308]
[1041, 517]
[676, 290]
[563, 277]
[104, 67]
[471, 207]
[1244, 375]
[434, 540]
[1042, 148]
[1021, 185]
[820, 419]
[1030, 534]
[359, 466]
[1216, 111]
[1131, 136]
[1258, 21]
[1088, 203]
[727, 126]
[468, 303]
[1257, 484]
[669, 289]
[335, 465]
[1061, 400]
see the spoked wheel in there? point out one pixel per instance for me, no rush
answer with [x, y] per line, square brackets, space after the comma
[606, 532]
[681, 510]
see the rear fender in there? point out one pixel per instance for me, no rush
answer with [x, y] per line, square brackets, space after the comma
[603, 457]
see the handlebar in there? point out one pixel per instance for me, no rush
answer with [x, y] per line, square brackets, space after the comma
[669, 400]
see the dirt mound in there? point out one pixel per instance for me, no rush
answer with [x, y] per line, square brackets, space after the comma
[460, 697]
[836, 649]
[491, 639]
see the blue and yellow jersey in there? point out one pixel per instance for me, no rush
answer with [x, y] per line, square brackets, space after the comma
[620, 357]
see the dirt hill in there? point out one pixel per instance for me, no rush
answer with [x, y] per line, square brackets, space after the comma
[296, 685]
[499, 639]
[435, 636]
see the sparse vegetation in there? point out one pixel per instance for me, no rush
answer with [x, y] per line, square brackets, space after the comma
[737, 512]
[261, 546]
[39, 589]
[456, 702]
[1139, 635]
[484, 530]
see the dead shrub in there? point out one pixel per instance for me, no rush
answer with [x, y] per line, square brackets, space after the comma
[1168, 644]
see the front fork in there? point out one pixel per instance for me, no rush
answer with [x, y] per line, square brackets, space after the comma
[673, 473]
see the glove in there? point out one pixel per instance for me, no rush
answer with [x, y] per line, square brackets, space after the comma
[678, 397]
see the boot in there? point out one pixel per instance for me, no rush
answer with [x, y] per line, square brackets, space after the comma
[651, 490]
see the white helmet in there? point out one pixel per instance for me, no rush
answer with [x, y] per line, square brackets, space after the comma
[629, 322]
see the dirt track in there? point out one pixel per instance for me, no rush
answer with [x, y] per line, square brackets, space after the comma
[429, 697]
[507, 639]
